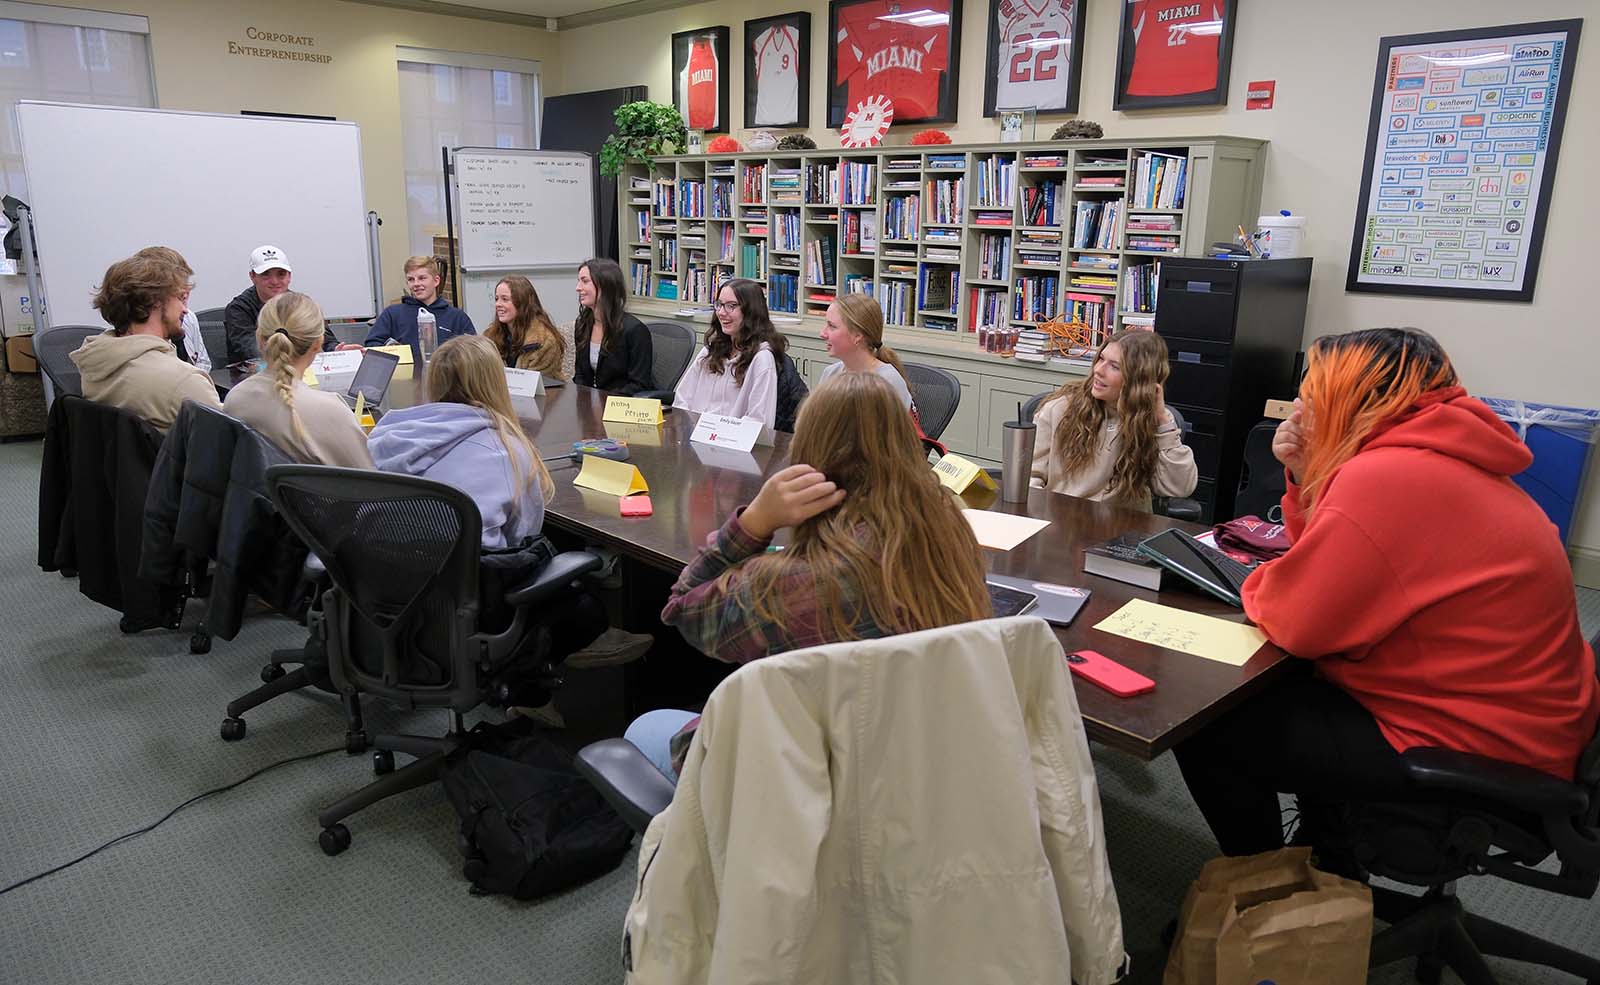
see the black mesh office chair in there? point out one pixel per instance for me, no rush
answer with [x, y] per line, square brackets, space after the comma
[52, 348]
[1472, 815]
[213, 334]
[672, 346]
[405, 620]
[1261, 480]
[935, 393]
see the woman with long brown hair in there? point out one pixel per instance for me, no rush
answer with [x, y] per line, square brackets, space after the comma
[1110, 435]
[878, 547]
[852, 332]
[736, 371]
[1430, 599]
[523, 331]
[468, 436]
[612, 348]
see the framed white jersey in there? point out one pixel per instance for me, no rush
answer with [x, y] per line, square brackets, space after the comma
[777, 80]
[1033, 59]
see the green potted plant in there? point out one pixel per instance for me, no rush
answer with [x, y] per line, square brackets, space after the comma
[643, 130]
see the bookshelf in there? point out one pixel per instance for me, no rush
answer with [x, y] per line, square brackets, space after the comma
[948, 238]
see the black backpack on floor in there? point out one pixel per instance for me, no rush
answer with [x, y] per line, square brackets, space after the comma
[530, 825]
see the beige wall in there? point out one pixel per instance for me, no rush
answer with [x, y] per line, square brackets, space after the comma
[195, 71]
[1323, 57]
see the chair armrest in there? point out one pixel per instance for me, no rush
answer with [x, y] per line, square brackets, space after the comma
[1521, 787]
[1177, 507]
[552, 579]
[627, 780]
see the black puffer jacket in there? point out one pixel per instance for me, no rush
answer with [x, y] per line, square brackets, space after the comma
[208, 497]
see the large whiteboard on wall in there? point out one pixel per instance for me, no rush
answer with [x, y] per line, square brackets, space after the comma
[106, 181]
[521, 209]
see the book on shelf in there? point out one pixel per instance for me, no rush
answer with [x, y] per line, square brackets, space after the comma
[667, 289]
[1152, 223]
[1039, 203]
[994, 253]
[947, 161]
[1119, 559]
[996, 178]
[903, 164]
[1108, 181]
[869, 231]
[941, 235]
[1031, 258]
[991, 218]
[939, 323]
[942, 253]
[986, 306]
[1044, 160]
[944, 199]
[1159, 180]
[901, 217]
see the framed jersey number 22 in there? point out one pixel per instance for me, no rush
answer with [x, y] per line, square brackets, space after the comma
[1032, 55]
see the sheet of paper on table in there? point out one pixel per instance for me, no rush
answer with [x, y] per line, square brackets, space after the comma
[1002, 531]
[1216, 639]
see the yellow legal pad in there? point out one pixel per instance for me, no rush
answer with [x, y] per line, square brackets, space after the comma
[633, 410]
[1203, 636]
[957, 474]
[610, 477]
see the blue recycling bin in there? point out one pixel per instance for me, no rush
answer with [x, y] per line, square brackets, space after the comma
[1560, 439]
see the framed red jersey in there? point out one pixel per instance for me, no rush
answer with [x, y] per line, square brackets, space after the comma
[906, 51]
[1033, 58]
[777, 71]
[700, 78]
[1174, 53]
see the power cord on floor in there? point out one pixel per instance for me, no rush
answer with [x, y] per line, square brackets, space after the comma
[167, 816]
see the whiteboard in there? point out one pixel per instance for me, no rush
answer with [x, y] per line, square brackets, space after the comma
[557, 288]
[518, 209]
[107, 181]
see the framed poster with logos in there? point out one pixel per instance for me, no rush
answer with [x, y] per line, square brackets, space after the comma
[1460, 160]
[1032, 55]
[777, 71]
[1174, 53]
[700, 78]
[903, 52]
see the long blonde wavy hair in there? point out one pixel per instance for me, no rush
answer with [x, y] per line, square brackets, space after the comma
[467, 370]
[1144, 370]
[898, 538]
[288, 327]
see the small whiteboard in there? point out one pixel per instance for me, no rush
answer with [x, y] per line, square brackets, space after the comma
[521, 209]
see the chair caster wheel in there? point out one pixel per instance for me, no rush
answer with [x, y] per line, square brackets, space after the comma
[232, 729]
[355, 743]
[382, 762]
[200, 642]
[474, 868]
[334, 839]
[271, 672]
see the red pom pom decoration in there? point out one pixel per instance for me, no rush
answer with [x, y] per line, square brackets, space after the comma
[724, 145]
[931, 137]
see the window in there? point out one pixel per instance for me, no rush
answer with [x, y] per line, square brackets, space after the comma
[449, 99]
[73, 56]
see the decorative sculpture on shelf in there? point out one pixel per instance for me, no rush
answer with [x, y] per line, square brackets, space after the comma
[1079, 130]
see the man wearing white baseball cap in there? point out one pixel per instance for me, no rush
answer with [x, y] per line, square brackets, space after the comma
[269, 277]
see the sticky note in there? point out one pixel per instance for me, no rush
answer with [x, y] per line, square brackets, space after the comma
[1216, 639]
[644, 435]
[610, 477]
[361, 403]
[956, 473]
[1002, 531]
[633, 410]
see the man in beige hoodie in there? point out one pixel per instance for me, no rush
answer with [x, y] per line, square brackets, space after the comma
[135, 365]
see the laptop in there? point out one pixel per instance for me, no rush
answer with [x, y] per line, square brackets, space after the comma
[1203, 566]
[1056, 604]
[372, 379]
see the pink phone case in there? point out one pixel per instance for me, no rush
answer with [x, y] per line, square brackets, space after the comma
[637, 506]
[1107, 673]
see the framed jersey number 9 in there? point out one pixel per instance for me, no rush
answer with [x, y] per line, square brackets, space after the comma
[1032, 59]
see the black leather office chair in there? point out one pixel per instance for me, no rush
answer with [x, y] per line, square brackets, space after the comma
[935, 393]
[405, 620]
[1261, 481]
[213, 334]
[671, 347]
[1472, 815]
[52, 348]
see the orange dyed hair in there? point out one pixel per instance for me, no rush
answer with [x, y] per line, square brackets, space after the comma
[1357, 381]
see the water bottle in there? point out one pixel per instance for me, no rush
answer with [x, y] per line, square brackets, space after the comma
[427, 333]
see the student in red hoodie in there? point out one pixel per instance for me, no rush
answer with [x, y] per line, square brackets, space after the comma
[1429, 597]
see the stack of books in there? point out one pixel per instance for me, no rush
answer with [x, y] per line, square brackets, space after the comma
[1032, 346]
[1159, 180]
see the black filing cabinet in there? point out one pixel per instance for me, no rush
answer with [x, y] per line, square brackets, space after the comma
[1233, 331]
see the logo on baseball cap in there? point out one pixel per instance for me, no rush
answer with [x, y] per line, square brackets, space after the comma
[264, 258]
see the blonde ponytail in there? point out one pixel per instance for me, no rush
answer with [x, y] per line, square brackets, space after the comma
[288, 327]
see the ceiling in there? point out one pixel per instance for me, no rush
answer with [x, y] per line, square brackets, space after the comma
[570, 13]
[540, 8]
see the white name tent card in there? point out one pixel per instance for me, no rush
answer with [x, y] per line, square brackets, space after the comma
[721, 431]
[337, 363]
[524, 382]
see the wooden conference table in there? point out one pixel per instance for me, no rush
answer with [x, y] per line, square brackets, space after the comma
[693, 490]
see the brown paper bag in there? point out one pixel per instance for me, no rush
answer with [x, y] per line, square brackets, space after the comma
[1271, 917]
